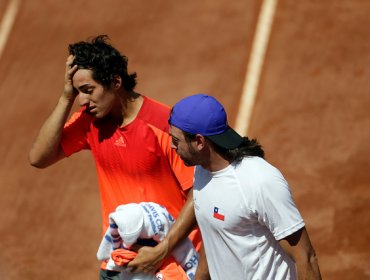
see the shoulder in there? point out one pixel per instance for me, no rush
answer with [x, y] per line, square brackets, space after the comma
[80, 117]
[257, 167]
[153, 106]
[155, 113]
[258, 174]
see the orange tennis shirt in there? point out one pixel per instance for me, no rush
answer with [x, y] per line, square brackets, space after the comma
[134, 163]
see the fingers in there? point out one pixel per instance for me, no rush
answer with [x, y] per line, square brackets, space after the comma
[136, 247]
[145, 261]
[69, 61]
[71, 69]
[134, 268]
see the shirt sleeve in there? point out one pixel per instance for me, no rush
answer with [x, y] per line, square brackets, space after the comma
[276, 208]
[74, 137]
[183, 174]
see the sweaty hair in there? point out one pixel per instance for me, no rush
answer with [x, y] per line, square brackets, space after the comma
[104, 60]
[248, 148]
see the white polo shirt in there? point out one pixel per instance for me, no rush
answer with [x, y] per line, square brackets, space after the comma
[242, 211]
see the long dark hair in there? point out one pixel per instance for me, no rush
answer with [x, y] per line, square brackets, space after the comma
[248, 148]
[104, 61]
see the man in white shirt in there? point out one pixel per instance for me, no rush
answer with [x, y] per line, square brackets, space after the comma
[249, 223]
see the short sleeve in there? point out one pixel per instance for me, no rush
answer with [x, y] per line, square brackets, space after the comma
[276, 208]
[183, 174]
[74, 137]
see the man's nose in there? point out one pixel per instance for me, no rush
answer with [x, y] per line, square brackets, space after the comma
[83, 99]
[173, 145]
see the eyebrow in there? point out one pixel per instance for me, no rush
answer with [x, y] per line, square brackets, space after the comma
[174, 137]
[85, 86]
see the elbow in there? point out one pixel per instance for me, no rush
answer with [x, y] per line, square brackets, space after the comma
[37, 165]
[41, 157]
[314, 267]
[313, 259]
[36, 161]
[308, 267]
[309, 257]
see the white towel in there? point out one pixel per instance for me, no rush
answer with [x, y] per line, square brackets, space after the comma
[144, 220]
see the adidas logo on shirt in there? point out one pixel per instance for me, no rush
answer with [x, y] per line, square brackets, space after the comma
[120, 142]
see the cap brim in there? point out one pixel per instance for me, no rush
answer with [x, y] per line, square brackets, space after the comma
[230, 139]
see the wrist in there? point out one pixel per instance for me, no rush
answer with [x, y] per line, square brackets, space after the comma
[66, 100]
[163, 248]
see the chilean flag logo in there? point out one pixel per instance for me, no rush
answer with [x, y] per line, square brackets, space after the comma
[218, 214]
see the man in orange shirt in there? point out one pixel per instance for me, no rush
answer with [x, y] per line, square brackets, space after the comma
[126, 132]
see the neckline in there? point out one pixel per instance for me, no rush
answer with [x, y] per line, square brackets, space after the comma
[137, 117]
[220, 172]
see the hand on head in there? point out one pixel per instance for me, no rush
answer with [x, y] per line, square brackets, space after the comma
[69, 91]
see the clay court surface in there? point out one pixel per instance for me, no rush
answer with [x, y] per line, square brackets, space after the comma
[311, 114]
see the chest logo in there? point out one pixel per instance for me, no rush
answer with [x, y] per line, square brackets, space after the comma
[120, 142]
[217, 213]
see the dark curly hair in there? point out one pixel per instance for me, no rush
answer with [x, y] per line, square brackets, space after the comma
[104, 61]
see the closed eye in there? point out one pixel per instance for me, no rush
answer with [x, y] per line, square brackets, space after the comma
[175, 141]
[87, 89]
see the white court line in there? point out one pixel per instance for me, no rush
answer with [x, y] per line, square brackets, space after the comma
[7, 22]
[256, 60]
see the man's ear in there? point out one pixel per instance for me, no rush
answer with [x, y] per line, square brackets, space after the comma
[116, 82]
[201, 141]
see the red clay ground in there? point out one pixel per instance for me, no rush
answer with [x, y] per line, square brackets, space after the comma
[311, 115]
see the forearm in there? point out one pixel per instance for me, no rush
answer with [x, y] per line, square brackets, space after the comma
[184, 224]
[202, 272]
[46, 148]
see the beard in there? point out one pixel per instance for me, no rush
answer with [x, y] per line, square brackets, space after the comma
[190, 160]
[187, 162]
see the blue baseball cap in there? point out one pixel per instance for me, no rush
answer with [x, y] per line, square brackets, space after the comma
[203, 114]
